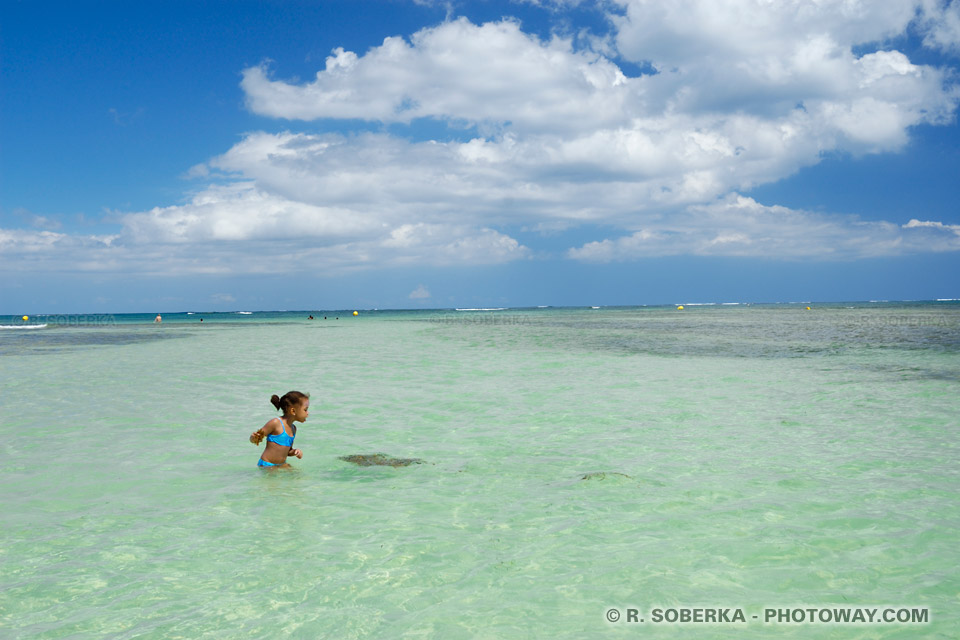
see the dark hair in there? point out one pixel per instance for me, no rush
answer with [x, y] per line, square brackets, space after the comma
[289, 400]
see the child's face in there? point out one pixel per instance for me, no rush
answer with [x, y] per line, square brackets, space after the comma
[301, 413]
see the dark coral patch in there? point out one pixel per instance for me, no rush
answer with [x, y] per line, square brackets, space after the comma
[602, 475]
[380, 460]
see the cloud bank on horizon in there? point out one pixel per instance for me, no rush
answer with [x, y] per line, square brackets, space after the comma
[546, 134]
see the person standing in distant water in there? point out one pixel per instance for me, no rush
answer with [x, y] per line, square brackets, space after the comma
[158, 319]
[280, 432]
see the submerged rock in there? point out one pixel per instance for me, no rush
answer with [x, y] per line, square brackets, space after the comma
[379, 459]
[601, 475]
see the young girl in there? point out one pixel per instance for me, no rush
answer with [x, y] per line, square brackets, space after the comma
[280, 432]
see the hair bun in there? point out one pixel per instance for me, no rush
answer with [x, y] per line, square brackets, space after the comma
[275, 400]
[290, 400]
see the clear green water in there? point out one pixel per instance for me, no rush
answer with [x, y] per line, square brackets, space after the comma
[735, 457]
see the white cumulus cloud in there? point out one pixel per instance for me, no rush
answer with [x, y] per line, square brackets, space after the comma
[420, 293]
[551, 133]
[473, 74]
[941, 23]
[740, 226]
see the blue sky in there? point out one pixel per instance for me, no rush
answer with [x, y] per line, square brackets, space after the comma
[400, 154]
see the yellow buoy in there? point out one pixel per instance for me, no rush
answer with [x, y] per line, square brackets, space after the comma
[355, 313]
[808, 308]
[680, 308]
[25, 318]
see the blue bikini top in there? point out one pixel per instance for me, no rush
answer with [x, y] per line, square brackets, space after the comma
[283, 439]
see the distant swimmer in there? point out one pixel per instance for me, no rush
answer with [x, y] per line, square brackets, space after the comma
[280, 432]
[158, 319]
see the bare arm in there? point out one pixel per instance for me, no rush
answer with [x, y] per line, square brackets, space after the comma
[272, 427]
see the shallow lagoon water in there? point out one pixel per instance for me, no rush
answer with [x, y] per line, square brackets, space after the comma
[576, 460]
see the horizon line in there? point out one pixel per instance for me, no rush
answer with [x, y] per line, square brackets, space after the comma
[491, 309]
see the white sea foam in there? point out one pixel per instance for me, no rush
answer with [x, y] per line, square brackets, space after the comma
[490, 309]
[22, 326]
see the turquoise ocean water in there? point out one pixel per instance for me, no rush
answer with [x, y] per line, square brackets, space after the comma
[578, 461]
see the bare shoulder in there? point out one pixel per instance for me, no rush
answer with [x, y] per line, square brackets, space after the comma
[273, 426]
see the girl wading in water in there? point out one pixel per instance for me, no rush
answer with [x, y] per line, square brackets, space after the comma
[280, 432]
